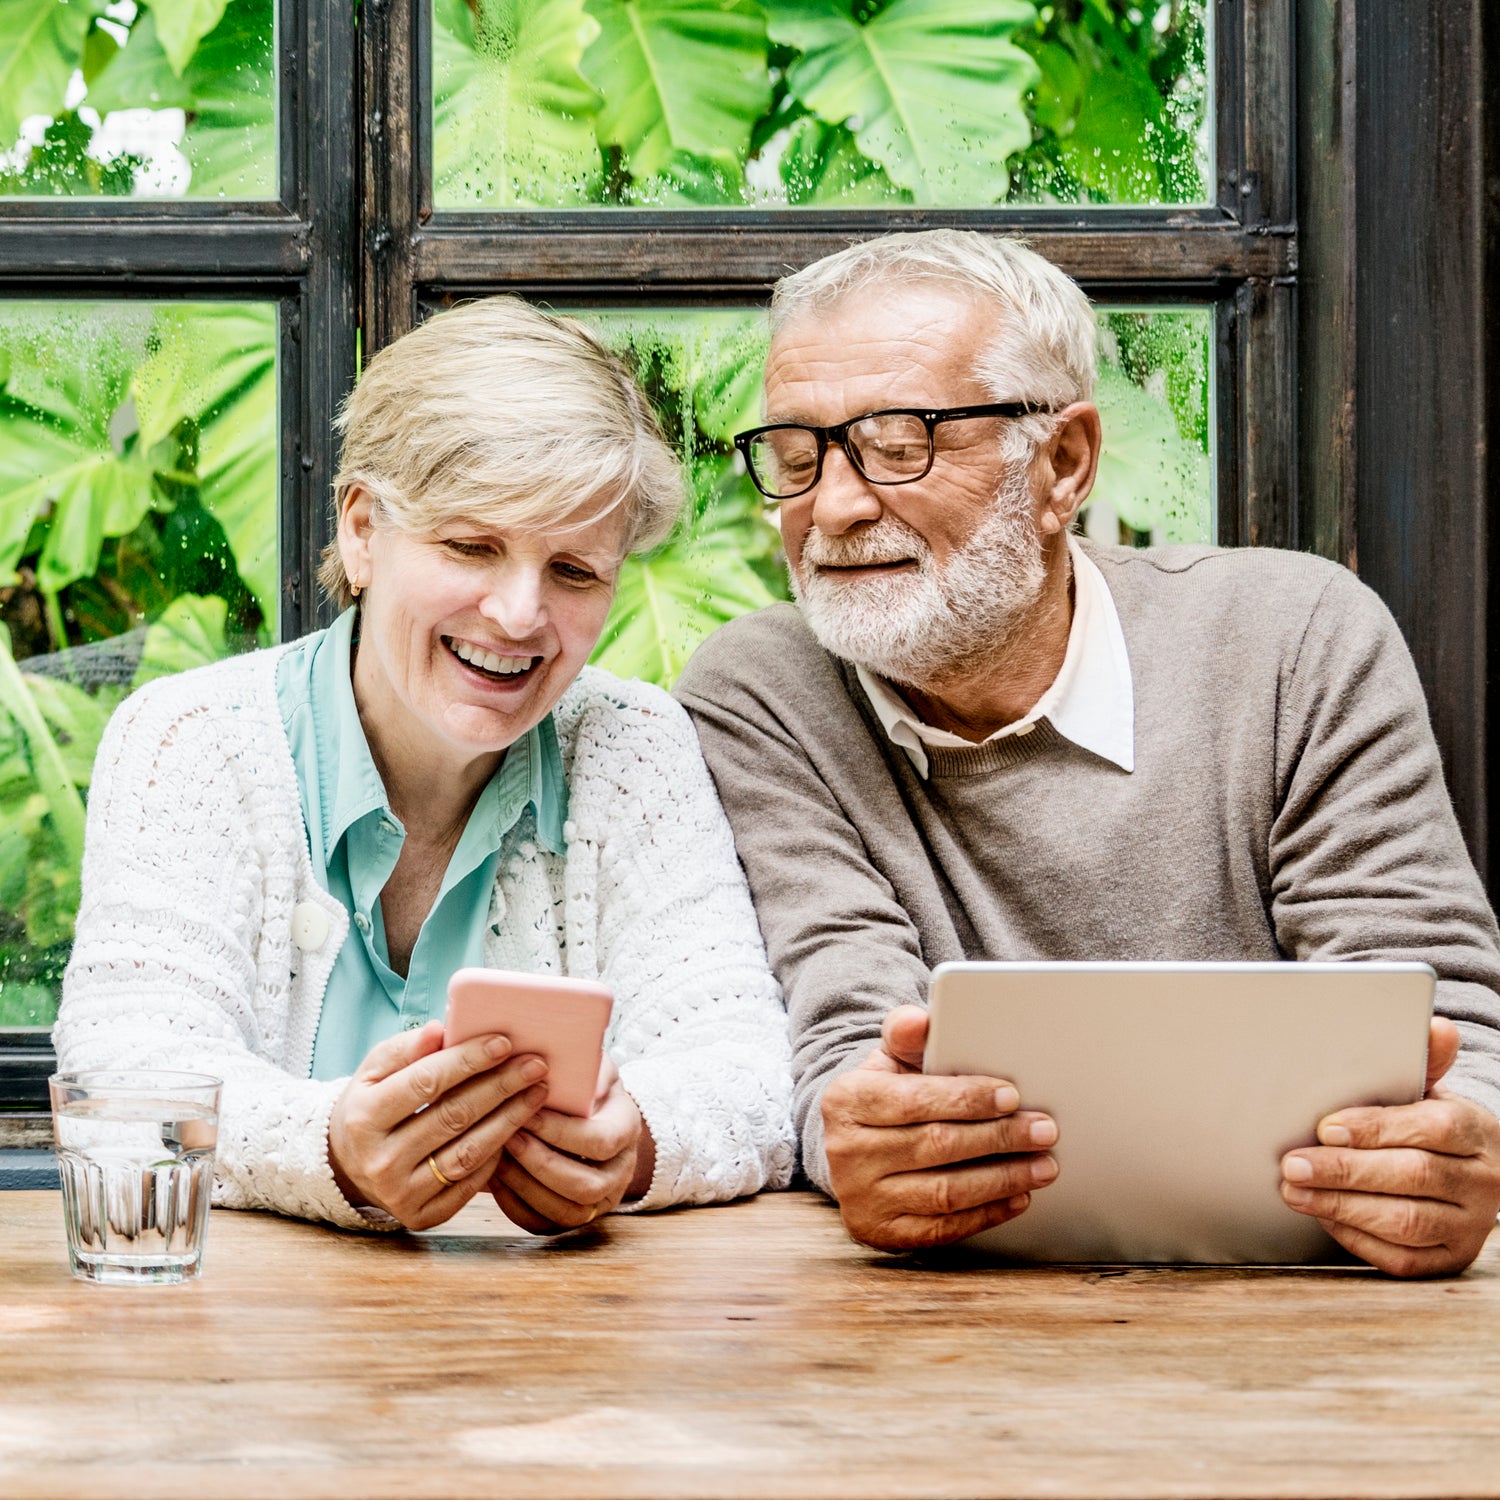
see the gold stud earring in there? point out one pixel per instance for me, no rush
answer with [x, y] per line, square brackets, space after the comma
[354, 589]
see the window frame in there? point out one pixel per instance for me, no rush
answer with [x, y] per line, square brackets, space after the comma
[298, 251]
[1314, 403]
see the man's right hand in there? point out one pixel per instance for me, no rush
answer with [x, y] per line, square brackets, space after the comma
[412, 1099]
[919, 1161]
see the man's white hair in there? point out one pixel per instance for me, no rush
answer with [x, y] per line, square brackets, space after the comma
[1043, 349]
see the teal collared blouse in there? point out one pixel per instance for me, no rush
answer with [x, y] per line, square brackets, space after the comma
[355, 839]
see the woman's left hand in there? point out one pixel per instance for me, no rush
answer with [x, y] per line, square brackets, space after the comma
[561, 1172]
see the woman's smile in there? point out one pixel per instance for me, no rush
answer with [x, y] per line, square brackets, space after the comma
[490, 665]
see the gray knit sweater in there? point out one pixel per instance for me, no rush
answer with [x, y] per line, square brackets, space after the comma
[1287, 802]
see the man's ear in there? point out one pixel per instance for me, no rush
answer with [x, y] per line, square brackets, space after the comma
[356, 524]
[1072, 461]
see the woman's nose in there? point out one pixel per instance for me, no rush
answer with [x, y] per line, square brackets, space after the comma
[514, 602]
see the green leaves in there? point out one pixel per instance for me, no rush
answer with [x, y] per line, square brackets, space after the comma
[680, 81]
[182, 24]
[206, 57]
[61, 390]
[931, 89]
[512, 115]
[190, 633]
[215, 369]
[41, 43]
[817, 102]
[669, 601]
[1156, 481]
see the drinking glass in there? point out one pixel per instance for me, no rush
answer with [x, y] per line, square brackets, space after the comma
[135, 1151]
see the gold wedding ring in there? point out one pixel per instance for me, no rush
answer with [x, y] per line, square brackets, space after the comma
[437, 1172]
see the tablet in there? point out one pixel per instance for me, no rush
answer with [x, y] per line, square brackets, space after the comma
[1176, 1088]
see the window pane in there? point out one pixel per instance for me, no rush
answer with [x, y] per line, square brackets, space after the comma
[137, 538]
[702, 369]
[138, 98]
[819, 103]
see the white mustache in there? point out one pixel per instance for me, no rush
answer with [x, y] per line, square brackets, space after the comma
[887, 541]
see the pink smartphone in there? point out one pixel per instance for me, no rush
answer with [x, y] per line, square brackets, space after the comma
[561, 1020]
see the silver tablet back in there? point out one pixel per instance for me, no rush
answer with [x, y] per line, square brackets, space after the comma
[1176, 1088]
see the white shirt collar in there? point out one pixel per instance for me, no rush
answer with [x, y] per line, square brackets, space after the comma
[1091, 701]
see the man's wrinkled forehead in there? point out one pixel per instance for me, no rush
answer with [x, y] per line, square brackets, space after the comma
[908, 344]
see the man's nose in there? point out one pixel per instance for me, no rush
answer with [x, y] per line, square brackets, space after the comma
[844, 498]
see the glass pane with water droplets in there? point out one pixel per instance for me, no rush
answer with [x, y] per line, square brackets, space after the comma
[138, 98]
[820, 103]
[138, 465]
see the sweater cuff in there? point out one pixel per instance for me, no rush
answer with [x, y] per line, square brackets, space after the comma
[656, 1115]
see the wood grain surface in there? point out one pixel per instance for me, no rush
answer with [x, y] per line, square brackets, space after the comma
[748, 1350]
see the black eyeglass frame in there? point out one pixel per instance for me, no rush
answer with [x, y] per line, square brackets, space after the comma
[839, 433]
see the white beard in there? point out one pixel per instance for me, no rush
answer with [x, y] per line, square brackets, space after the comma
[925, 627]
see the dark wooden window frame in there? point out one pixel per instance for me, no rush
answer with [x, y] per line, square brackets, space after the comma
[1309, 97]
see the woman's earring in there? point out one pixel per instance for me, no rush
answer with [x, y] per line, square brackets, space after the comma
[354, 589]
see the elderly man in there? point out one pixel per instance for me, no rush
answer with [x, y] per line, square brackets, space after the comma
[981, 737]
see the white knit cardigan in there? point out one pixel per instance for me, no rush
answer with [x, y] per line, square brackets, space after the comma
[198, 890]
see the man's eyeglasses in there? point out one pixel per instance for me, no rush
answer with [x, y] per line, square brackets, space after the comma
[887, 447]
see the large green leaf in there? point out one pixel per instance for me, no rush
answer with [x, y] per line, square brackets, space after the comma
[512, 115]
[226, 86]
[76, 718]
[680, 80]
[932, 89]
[65, 379]
[190, 633]
[1105, 121]
[670, 601]
[41, 43]
[139, 75]
[231, 136]
[182, 24]
[821, 165]
[64, 804]
[1155, 480]
[99, 496]
[215, 366]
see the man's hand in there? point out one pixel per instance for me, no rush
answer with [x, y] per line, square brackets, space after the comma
[561, 1172]
[921, 1161]
[1411, 1188]
[413, 1099]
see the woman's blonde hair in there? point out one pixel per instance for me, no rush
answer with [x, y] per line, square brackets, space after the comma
[498, 412]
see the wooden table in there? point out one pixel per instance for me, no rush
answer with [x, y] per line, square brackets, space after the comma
[749, 1350]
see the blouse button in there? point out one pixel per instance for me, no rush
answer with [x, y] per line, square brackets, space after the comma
[309, 926]
[361, 921]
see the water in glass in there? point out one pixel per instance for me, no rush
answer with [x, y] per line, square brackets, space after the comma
[137, 1176]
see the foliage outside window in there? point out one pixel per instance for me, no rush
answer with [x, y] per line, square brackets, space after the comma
[138, 449]
[137, 537]
[144, 98]
[818, 103]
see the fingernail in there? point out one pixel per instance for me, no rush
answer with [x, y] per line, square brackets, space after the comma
[497, 1046]
[1298, 1197]
[1044, 1170]
[1006, 1099]
[1019, 1204]
[533, 1070]
[1297, 1169]
[1335, 1135]
[1043, 1132]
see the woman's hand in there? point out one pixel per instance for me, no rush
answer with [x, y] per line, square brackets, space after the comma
[411, 1099]
[561, 1172]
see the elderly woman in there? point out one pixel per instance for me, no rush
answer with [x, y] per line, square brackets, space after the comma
[289, 853]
